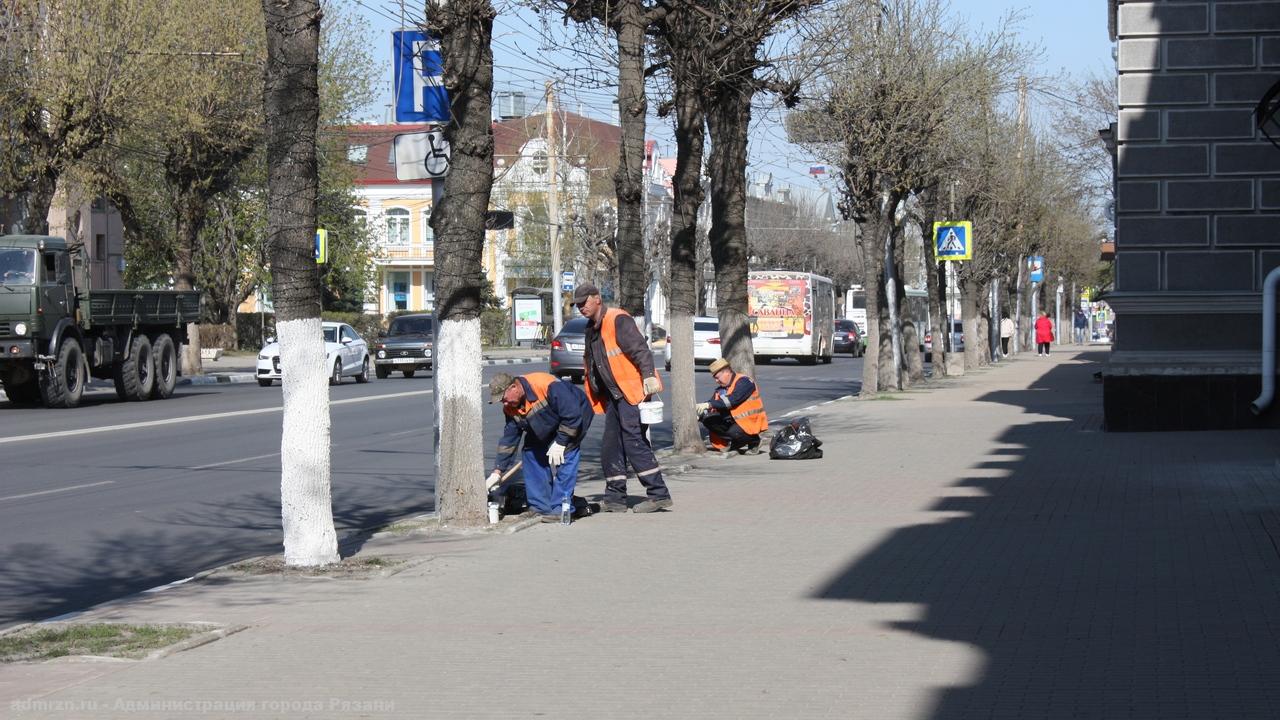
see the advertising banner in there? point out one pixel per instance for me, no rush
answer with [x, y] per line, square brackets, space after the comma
[779, 306]
[527, 313]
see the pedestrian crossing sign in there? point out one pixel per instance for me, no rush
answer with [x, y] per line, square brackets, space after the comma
[953, 240]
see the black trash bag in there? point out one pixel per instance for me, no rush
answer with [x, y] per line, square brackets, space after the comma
[795, 441]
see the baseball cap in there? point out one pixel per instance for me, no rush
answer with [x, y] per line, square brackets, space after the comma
[498, 385]
[584, 291]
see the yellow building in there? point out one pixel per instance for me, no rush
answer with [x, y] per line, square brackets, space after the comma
[399, 213]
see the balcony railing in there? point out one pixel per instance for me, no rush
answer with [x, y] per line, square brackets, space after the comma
[416, 253]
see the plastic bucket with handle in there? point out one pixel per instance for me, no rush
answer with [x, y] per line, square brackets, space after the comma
[650, 412]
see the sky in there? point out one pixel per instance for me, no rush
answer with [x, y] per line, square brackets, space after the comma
[1072, 36]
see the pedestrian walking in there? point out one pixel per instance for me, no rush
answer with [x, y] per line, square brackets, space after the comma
[551, 417]
[619, 375]
[1081, 325]
[1044, 333]
[1007, 329]
[734, 416]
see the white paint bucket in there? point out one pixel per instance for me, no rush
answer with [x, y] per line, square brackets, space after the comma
[493, 512]
[650, 412]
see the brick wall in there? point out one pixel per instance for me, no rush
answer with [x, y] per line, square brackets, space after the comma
[1197, 212]
[1197, 191]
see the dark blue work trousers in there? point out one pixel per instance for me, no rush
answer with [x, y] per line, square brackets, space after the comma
[624, 442]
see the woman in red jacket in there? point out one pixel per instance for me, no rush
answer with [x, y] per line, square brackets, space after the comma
[1044, 333]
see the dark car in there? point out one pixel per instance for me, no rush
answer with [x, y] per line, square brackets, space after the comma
[405, 346]
[567, 348]
[847, 338]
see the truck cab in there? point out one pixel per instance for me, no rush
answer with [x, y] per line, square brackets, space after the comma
[37, 292]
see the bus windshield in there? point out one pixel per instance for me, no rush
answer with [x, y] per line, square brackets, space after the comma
[17, 266]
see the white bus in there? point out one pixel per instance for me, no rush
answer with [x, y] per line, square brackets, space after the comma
[793, 314]
[915, 309]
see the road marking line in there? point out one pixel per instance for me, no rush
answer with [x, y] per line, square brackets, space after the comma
[233, 462]
[50, 492]
[166, 586]
[196, 418]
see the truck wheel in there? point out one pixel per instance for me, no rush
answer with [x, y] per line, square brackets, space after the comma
[408, 373]
[26, 393]
[166, 366]
[135, 374]
[264, 383]
[382, 372]
[62, 385]
[363, 377]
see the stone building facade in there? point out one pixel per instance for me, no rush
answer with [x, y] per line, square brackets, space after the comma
[1197, 212]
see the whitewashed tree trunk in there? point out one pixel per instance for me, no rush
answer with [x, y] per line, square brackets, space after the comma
[292, 109]
[460, 471]
[306, 503]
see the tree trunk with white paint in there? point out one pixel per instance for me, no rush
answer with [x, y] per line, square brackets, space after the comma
[466, 30]
[292, 104]
[306, 503]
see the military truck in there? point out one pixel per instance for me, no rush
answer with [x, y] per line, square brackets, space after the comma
[56, 332]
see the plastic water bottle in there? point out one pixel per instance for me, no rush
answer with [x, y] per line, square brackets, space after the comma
[566, 510]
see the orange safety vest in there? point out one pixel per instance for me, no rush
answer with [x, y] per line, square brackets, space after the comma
[750, 415]
[539, 382]
[625, 374]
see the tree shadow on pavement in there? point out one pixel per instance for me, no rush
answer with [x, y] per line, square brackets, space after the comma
[1126, 575]
[39, 581]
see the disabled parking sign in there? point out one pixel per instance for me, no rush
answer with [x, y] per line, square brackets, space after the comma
[953, 240]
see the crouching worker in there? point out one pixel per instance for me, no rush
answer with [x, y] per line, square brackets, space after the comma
[735, 414]
[552, 416]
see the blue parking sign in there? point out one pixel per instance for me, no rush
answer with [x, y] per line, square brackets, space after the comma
[419, 78]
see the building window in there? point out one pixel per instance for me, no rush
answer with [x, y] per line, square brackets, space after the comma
[398, 287]
[397, 226]
[428, 235]
[99, 248]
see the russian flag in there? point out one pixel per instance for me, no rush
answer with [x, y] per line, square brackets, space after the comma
[817, 169]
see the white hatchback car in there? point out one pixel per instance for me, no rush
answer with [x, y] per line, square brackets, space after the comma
[345, 352]
[706, 341]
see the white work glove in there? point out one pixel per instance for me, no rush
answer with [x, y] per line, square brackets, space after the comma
[702, 408]
[555, 454]
[652, 386]
[493, 480]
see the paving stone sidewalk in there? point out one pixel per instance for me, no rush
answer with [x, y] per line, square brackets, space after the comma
[979, 549]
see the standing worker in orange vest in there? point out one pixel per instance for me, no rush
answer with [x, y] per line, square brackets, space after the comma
[735, 414]
[619, 375]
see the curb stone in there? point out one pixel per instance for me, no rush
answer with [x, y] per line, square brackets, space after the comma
[244, 377]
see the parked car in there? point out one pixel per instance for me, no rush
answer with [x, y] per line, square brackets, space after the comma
[406, 345]
[957, 338]
[567, 348]
[345, 351]
[848, 338]
[706, 341]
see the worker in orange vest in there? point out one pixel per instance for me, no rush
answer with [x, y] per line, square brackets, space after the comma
[619, 374]
[551, 417]
[735, 415]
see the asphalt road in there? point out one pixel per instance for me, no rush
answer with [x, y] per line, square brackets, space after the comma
[113, 498]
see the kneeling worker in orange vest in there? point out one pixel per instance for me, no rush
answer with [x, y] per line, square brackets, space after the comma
[735, 414]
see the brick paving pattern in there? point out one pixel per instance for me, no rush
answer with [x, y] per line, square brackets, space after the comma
[978, 549]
